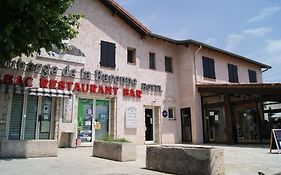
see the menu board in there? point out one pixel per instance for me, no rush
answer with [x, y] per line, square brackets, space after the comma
[275, 141]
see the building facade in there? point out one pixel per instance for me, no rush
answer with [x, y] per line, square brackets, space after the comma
[118, 78]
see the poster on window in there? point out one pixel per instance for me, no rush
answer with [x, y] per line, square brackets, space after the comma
[131, 118]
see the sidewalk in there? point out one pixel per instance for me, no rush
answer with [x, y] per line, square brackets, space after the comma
[238, 161]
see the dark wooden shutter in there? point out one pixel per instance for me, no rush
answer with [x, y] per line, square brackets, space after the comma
[209, 68]
[235, 74]
[107, 54]
[212, 68]
[232, 73]
[252, 76]
[111, 55]
[205, 67]
[103, 53]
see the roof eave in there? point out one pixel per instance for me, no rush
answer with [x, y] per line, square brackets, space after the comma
[123, 14]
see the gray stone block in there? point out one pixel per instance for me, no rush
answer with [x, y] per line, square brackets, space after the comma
[28, 148]
[115, 151]
[185, 160]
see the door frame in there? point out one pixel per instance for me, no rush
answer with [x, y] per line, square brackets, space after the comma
[94, 98]
[109, 113]
[153, 125]
[181, 109]
[93, 119]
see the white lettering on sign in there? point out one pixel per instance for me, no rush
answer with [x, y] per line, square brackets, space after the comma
[131, 118]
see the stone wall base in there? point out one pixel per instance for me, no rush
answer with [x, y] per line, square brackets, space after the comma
[28, 148]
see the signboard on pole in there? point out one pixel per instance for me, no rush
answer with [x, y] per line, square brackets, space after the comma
[275, 140]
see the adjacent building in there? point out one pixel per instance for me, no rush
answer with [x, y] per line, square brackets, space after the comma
[118, 78]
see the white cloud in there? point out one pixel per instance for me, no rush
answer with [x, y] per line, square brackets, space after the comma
[273, 58]
[265, 13]
[210, 41]
[232, 41]
[274, 47]
[257, 32]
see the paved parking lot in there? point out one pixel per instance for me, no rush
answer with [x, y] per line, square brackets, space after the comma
[238, 161]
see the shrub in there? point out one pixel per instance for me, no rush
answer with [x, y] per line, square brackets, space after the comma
[110, 138]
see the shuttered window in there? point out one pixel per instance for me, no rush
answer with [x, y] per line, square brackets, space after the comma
[131, 55]
[152, 64]
[168, 64]
[209, 68]
[16, 117]
[252, 76]
[232, 73]
[31, 117]
[107, 54]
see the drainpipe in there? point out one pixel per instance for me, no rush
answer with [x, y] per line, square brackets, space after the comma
[194, 63]
[266, 69]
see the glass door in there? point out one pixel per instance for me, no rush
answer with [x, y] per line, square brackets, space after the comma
[101, 118]
[85, 120]
[247, 126]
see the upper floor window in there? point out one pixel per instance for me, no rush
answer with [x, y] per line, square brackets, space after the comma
[168, 64]
[232, 73]
[152, 64]
[107, 58]
[172, 113]
[131, 55]
[209, 68]
[252, 76]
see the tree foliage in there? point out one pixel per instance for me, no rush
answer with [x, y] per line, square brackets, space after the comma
[28, 25]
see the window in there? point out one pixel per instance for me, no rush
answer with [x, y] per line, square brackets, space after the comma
[252, 76]
[168, 64]
[232, 73]
[209, 68]
[152, 64]
[131, 55]
[25, 109]
[107, 54]
[171, 113]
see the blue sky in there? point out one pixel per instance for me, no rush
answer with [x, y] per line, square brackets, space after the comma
[250, 28]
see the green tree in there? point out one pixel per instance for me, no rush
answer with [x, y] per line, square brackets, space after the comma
[28, 25]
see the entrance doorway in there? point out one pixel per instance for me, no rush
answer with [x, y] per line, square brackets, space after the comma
[148, 125]
[186, 125]
[247, 124]
[85, 120]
